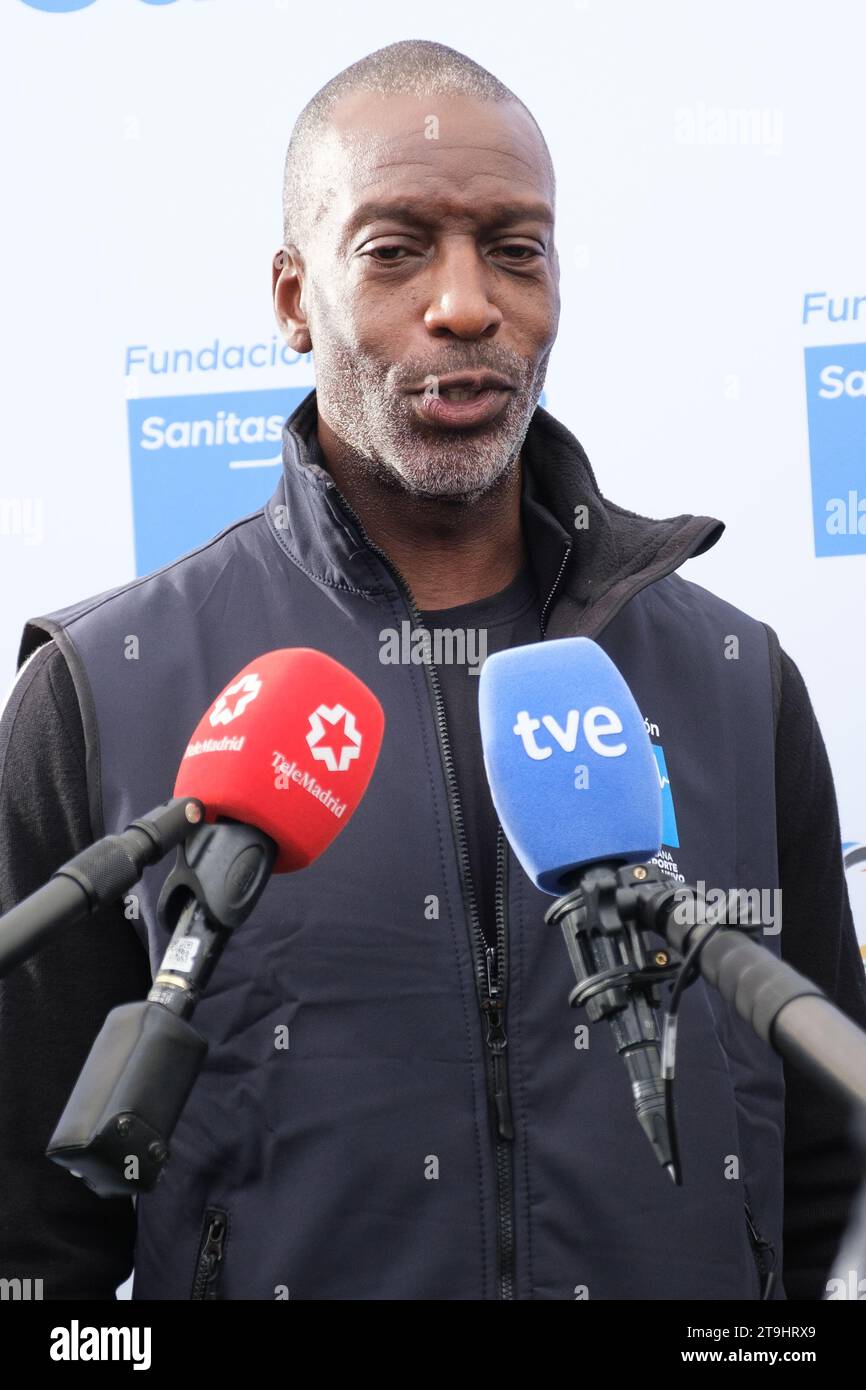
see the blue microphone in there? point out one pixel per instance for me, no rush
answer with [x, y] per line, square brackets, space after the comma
[576, 787]
[569, 761]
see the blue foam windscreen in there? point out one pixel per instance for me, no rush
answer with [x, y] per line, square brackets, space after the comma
[568, 759]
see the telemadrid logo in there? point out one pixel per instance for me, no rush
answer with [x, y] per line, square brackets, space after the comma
[349, 750]
[67, 6]
[246, 689]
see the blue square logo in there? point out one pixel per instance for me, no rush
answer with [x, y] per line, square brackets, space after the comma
[836, 400]
[201, 462]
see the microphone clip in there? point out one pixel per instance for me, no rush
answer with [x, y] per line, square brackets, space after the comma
[608, 939]
[619, 971]
[115, 1131]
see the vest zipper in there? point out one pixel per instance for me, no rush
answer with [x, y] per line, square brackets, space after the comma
[497, 1041]
[210, 1255]
[763, 1254]
[548, 601]
[492, 1007]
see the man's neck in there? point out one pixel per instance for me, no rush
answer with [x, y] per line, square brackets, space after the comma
[450, 552]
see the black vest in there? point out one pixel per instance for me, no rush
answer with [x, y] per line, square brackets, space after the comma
[364, 1160]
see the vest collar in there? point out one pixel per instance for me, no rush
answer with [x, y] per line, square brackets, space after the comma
[595, 553]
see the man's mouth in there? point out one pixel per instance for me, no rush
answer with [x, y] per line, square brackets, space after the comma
[460, 393]
[472, 380]
[461, 407]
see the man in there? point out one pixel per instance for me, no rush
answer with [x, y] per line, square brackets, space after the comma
[438, 1127]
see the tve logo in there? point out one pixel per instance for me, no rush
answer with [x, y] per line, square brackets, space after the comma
[199, 463]
[836, 399]
[599, 722]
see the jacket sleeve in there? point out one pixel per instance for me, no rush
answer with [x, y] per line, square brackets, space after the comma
[53, 1005]
[823, 1163]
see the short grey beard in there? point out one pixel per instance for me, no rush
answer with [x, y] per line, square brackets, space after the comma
[383, 441]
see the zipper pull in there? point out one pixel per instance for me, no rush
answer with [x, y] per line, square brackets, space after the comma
[490, 961]
[497, 1042]
[211, 1255]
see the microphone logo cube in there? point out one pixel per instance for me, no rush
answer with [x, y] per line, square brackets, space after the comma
[311, 734]
[569, 761]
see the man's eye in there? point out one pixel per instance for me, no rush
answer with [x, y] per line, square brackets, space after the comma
[526, 250]
[392, 255]
[385, 250]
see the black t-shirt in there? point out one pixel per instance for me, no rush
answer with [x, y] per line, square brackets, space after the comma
[507, 619]
[52, 1007]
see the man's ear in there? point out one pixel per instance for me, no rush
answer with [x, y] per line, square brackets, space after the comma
[287, 271]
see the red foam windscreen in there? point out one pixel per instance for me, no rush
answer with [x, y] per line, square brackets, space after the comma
[289, 746]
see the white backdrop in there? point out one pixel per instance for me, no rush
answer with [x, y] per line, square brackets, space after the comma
[709, 160]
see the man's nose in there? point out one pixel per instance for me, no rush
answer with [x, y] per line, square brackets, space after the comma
[459, 288]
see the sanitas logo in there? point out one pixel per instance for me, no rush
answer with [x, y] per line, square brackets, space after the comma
[836, 381]
[200, 461]
[599, 722]
[348, 750]
[211, 431]
[246, 689]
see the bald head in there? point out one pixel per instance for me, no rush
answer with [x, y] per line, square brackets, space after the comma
[414, 68]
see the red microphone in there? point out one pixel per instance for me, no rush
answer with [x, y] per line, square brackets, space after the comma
[288, 746]
[284, 755]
